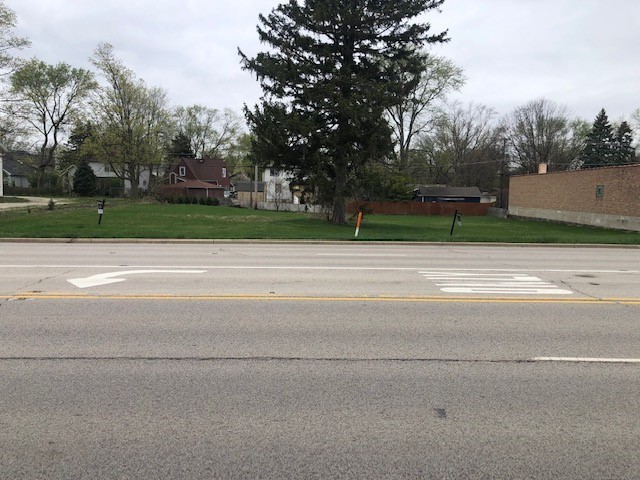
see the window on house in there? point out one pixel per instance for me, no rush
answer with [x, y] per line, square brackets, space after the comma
[599, 191]
[182, 171]
[224, 173]
[107, 168]
[274, 173]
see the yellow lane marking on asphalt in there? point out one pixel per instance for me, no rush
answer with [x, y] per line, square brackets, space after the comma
[304, 298]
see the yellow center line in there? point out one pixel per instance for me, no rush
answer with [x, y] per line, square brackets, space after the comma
[306, 298]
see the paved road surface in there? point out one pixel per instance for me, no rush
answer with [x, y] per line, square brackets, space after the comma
[318, 361]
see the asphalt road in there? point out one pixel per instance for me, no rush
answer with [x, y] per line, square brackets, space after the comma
[318, 361]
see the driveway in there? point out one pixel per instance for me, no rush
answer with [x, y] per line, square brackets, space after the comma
[31, 202]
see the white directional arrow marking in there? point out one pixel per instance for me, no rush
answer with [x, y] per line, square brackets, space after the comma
[107, 278]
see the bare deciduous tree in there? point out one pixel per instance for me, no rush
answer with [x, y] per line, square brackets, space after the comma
[463, 149]
[415, 114]
[540, 131]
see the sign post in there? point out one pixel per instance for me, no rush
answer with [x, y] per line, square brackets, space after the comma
[100, 210]
[457, 216]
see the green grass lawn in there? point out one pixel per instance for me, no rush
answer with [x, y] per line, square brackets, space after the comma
[124, 219]
[12, 200]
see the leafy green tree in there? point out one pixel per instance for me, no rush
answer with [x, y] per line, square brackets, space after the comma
[47, 97]
[9, 42]
[328, 78]
[239, 158]
[132, 121]
[77, 146]
[598, 149]
[382, 182]
[210, 131]
[84, 179]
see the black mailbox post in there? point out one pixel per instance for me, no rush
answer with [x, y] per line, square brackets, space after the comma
[457, 217]
[100, 210]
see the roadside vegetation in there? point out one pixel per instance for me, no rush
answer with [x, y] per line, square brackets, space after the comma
[127, 219]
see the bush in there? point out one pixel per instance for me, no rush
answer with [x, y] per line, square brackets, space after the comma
[179, 200]
[194, 200]
[84, 180]
[215, 201]
[51, 205]
[202, 201]
[209, 201]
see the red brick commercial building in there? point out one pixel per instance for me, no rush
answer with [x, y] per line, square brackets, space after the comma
[604, 197]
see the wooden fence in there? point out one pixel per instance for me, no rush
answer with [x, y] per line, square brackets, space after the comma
[420, 208]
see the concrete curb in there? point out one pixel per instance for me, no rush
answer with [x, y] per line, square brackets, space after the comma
[213, 241]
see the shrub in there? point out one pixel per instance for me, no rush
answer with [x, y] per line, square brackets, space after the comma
[84, 180]
[201, 201]
[51, 205]
[194, 200]
[209, 201]
[215, 201]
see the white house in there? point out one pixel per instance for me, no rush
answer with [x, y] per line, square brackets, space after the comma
[107, 177]
[16, 172]
[1, 177]
[277, 186]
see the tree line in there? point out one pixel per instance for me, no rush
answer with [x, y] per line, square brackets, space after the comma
[354, 104]
[67, 115]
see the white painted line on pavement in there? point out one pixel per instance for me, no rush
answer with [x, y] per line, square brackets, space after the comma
[587, 360]
[504, 291]
[301, 267]
[361, 255]
[502, 283]
[107, 278]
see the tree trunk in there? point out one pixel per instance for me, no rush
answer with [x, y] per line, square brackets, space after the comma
[338, 212]
[134, 179]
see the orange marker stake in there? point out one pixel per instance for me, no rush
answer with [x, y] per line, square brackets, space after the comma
[358, 223]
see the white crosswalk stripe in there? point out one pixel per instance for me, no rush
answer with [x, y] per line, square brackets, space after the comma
[493, 283]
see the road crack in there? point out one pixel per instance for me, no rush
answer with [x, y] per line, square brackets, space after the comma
[40, 281]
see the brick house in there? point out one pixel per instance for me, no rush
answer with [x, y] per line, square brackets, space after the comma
[604, 197]
[199, 177]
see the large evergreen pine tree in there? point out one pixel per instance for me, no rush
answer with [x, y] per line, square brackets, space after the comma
[180, 147]
[598, 150]
[84, 179]
[328, 76]
[624, 152]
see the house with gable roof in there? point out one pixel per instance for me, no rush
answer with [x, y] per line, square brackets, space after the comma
[198, 177]
[16, 169]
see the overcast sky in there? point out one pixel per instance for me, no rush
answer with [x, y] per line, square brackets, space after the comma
[578, 53]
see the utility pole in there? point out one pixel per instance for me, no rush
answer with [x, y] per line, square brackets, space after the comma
[256, 187]
[503, 203]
